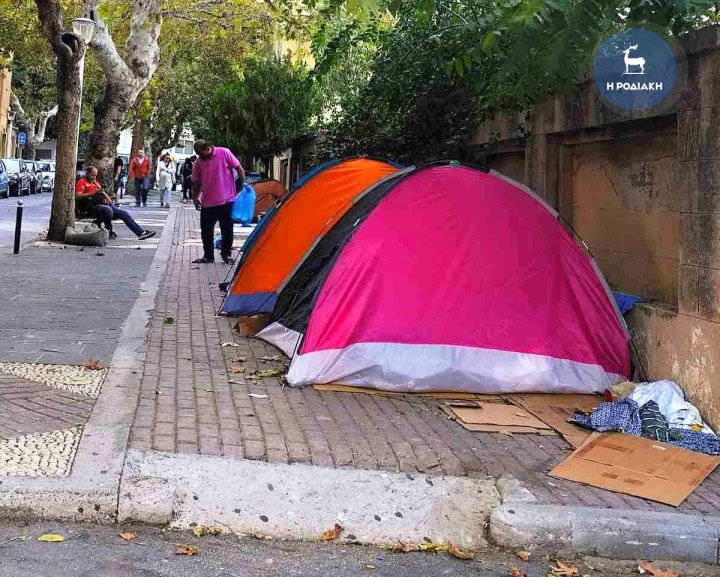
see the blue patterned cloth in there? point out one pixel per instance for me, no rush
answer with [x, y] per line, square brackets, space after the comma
[695, 441]
[624, 416]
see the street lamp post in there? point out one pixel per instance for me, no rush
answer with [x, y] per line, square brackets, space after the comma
[85, 28]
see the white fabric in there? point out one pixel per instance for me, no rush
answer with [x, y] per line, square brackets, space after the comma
[671, 400]
[283, 338]
[165, 175]
[415, 368]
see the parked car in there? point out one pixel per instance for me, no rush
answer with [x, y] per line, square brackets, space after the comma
[47, 175]
[4, 181]
[35, 177]
[19, 176]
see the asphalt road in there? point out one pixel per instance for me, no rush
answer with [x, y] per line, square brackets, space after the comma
[36, 213]
[99, 551]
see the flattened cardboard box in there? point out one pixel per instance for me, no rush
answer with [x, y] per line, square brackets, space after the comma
[556, 410]
[495, 417]
[637, 466]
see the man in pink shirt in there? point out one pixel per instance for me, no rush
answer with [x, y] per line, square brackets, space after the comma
[213, 187]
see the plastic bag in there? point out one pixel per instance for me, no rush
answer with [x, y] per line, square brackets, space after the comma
[243, 208]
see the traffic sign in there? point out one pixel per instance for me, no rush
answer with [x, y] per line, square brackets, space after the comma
[22, 138]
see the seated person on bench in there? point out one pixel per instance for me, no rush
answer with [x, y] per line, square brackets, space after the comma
[92, 202]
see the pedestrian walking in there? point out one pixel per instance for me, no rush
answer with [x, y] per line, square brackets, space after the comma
[92, 202]
[186, 175]
[213, 187]
[117, 175]
[165, 179]
[140, 169]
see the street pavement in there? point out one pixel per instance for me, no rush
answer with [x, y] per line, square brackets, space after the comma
[91, 551]
[36, 212]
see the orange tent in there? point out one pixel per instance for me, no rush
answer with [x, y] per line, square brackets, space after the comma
[268, 192]
[289, 232]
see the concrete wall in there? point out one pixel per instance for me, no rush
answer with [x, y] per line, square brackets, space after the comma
[645, 195]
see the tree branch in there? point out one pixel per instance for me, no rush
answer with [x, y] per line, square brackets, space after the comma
[42, 123]
[17, 107]
[114, 67]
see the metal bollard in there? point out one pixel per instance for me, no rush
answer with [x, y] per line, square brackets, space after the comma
[18, 227]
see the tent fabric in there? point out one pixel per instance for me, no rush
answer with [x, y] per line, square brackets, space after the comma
[288, 235]
[450, 278]
[268, 191]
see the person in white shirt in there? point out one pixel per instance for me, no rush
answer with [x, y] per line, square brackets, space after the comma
[165, 179]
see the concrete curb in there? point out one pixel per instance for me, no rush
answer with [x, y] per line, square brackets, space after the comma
[520, 522]
[302, 501]
[90, 492]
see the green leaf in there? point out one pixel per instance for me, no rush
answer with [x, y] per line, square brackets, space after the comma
[459, 68]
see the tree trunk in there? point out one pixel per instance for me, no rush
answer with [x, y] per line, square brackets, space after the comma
[138, 142]
[70, 51]
[34, 128]
[110, 112]
[126, 78]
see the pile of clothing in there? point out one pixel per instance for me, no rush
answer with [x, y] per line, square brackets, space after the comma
[657, 411]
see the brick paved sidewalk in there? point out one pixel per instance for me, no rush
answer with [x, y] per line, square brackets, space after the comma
[190, 403]
[61, 305]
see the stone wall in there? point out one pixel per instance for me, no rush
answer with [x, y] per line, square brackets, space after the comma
[644, 193]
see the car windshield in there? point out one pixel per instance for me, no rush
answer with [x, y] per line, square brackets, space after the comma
[12, 165]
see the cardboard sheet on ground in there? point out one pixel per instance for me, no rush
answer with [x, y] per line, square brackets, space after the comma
[637, 466]
[336, 388]
[497, 417]
[250, 326]
[556, 410]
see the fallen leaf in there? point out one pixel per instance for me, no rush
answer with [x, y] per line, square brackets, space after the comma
[524, 555]
[242, 359]
[404, 547]
[169, 321]
[76, 381]
[204, 531]
[268, 359]
[256, 396]
[433, 547]
[562, 570]
[515, 572]
[94, 365]
[645, 567]
[332, 534]
[128, 536]
[234, 382]
[188, 550]
[459, 553]
[696, 428]
[229, 345]
[237, 370]
[368, 566]
[268, 373]
[51, 538]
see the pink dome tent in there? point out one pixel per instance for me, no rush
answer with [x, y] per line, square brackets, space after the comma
[447, 278]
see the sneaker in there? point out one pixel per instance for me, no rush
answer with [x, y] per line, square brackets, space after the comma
[228, 260]
[147, 234]
[145, 205]
[113, 235]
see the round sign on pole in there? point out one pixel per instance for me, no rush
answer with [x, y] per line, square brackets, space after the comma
[22, 138]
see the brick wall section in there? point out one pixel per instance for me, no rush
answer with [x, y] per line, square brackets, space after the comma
[191, 403]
